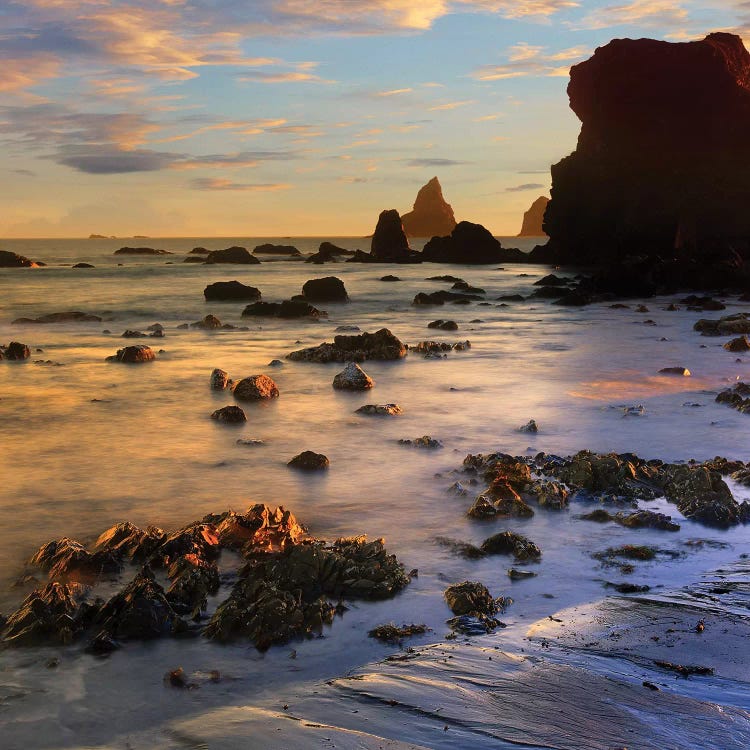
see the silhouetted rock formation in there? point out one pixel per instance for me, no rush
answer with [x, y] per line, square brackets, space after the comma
[534, 218]
[655, 173]
[389, 243]
[432, 216]
[13, 260]
[470, 243]
[269, 249]
[142, 251]
[231, 290]
[234, 254]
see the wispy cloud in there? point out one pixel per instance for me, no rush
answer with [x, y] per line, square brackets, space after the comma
[434, 162]
[394, 92]
[668, 14]
[528, 60]
[217, 183]
[525, 187]
[452, 105]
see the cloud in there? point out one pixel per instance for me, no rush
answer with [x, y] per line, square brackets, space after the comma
[217, 183]
[394, 92]
[434, 162]
[111, 160]
[526, 186]
[528, 60]
[661, 13]
[452, 105]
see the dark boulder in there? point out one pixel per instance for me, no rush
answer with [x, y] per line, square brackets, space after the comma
[389, 243]
[83, 265]
[444, 325]
[74, 316]
[229, 415]
[431, 215]
[269, 249]
[309, 461]
[231, 290]
[199, 251]
[285, 309]
[134, 354]
[469, 243]
[327, 289]
[13, 260]
[15, 351]
[234, 254]
[141, 251]
[328, 252]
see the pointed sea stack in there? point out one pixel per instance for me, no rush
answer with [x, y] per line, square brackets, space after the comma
[655, 174]
[533, 219]
[432, 216]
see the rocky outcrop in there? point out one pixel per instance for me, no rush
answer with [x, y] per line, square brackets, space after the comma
[220, 380]
[229, 415]
[469, 243]
[234, 254]
[13, 260]
[533, 219]
[15, 351]
[662, 126]
[389, 243]
[327, 289]
[379, 345]
[269, 249]
[141, 251]
[328, 252]
[231, 290]
[432, 216]
[256, 388]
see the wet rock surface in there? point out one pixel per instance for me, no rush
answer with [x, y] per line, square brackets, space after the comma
[229, 415]
[134, 354]
[379, 345]
[286, 309]
[256, 388]
[353, 378]
[270, 249]
[231, 291]
[380, 410]
[13, 260]
[738, 397]
[220, 380]
[74, 316]
[327, 289]
[15, 351]
[141, 251]
[309, 461]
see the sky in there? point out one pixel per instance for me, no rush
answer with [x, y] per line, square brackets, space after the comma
[296, 117]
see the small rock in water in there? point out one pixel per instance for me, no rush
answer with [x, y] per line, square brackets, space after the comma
[641, 309]
[133, 354]
[386, 410]
[249, 441]
[422, 442]
[518, 575]
[256, 388]
[444, 325]
[390, 633]
[229, 415]
[692, 404]
[389, 277]
[530, 426]
[675, 371]
[309, 461]
[345, 329]
[741, 344]
[275, 363]
[220, 380]
[353, 378]
[15, 351]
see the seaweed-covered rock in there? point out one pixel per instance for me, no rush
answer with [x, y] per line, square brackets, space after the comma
[550, 494]
[140, 611]
[231, 291]
[426, 441]
[353, 378]
[390, 633]
[474, 606]
[327, 289]
[510, 543]
[53, 614]
[125, 540]
[256, 388]
[647, 519]
[229, 415]
[260, 529]
[309, 461]
[193, 581]
[379, 345]
[738, 397]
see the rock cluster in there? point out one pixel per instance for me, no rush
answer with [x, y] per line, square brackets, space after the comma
[15, 351]
[357, 348]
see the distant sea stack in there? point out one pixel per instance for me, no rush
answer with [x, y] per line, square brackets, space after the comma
[534, 218]
[432, 216]
[660, 167]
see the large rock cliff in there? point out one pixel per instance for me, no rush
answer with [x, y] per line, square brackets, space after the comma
[432, 216]
[661, 166]
[533, 219]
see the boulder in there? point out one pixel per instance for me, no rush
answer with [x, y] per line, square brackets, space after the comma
[389, 277]
[379, 345]
[444, 325]
[134, 354]
[469, 243]
[285, 309]
[741, 344]
[199, 251]
[510, 543]
[662, 123]
[682, 371]
[141, 251]
[220, 380]
[431, 215]
[256, 388]
[327, 289]
[229, 415]
[13, 260]
[533, 219]
[231, 290]
[234, 254]
[389, 243]
[353, 378]
[15, 351]
[309, 461]
[83, 265]
[380, 410]
[269, 249]
[209, 323]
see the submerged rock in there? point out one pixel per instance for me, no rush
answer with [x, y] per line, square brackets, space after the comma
[444, 325]
[231, 290]
[141, 251]
[738, 397]
[379, 345]
[391, 633]
[530, 426]
[256, 388]
[353, 378]
[741, 344]
[74, 316]
[309, 461]
[423, 442]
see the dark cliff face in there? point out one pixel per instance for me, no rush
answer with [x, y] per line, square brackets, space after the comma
[432, 216]
[661, 165]
[534, 218]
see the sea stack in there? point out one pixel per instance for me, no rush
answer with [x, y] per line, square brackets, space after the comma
[432, 216]
[389, 243]
[663, 129]
[534, 218]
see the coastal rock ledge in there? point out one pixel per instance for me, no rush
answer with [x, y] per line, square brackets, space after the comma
[654, 175]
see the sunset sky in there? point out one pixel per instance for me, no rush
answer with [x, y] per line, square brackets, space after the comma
[295, 117]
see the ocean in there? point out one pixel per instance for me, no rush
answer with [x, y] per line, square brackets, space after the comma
[87, 443]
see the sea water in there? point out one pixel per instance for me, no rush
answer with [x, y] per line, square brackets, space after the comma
[87, 443]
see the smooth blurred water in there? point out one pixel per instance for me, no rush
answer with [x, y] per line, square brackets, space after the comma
[147, 451]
